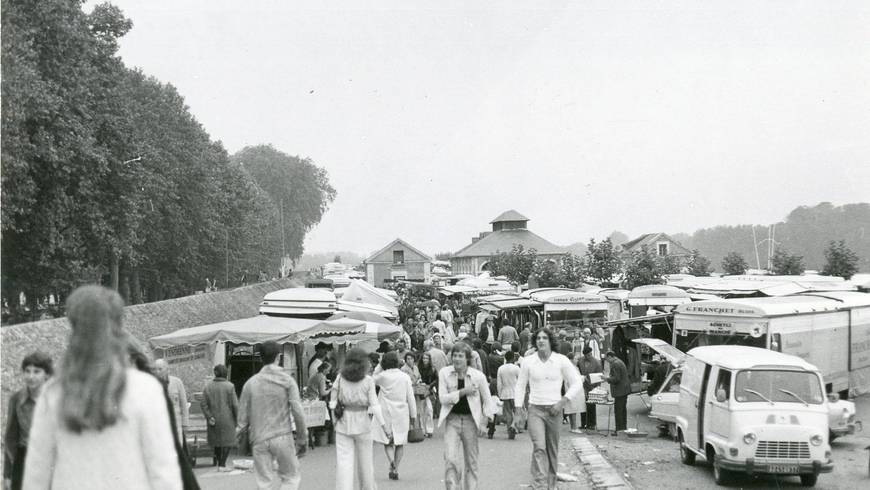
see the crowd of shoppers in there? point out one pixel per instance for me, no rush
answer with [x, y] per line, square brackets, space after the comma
[113, 419]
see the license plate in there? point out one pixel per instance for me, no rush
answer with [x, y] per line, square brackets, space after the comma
[782, 468]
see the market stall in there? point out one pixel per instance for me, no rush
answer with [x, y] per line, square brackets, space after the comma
[236, 343]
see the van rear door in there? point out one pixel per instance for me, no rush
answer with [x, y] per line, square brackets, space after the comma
[691, 386]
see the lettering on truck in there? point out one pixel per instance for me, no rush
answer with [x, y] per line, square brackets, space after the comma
[720, 310]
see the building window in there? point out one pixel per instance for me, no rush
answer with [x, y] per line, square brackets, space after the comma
[663, 248]
[398, 256]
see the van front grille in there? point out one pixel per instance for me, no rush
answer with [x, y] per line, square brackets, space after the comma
[782, 450]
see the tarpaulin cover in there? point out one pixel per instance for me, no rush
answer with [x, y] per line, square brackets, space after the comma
[262, 328]
[362, 296]
[253, 330]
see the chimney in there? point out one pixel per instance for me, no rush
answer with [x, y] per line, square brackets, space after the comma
[474, 239]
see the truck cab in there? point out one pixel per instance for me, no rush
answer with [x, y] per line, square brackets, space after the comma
[751, 410]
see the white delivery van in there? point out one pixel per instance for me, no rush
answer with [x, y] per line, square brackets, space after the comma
[829, 330]
[753, 411]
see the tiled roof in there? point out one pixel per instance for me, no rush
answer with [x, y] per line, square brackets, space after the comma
[510, 215]
[504, 240]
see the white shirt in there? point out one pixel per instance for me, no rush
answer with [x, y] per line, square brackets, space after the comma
[507, 380]
[545, 379]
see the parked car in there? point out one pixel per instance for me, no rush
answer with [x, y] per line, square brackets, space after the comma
[841, 417]
[754, 411]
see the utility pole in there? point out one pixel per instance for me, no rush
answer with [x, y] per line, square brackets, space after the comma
[227, 265]
[755, 241]
[283, 252]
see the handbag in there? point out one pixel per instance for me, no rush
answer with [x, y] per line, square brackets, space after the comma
[338, 411]
[416, 433]
[243, 438]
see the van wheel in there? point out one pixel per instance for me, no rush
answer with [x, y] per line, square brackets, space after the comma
[809, 480]
[686, 454]
[721, 475]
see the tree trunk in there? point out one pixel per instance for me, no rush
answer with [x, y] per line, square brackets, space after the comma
[113, 268]
[135, 287]
[124, 286]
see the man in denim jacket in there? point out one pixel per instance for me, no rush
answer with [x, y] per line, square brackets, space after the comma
[268, 400]
[466, 408]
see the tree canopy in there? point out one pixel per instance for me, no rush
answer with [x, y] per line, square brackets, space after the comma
[734, 264]
[643, 268]
[840, 260]
[698, 265]
[602, 260]
[517, 265]
[108, 178]
[786, 264]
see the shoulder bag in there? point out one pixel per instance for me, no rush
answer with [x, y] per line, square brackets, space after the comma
[338, 411]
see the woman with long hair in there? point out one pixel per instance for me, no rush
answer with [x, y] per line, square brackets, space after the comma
[429, 377]
[102, 424]
[410, 367]
[355, 390]
[398, 408]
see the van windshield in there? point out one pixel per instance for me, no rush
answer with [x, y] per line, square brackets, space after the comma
[759, 385]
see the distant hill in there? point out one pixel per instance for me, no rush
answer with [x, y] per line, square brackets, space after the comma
[578, 249]
[806, 231]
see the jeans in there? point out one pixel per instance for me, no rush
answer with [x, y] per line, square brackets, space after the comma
[620, 412]
[424, 412]
[544, 432]
[283, 449]
[353, 461]
[507, 414]
[460, 446]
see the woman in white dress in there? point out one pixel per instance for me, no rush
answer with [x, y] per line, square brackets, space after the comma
[398, 408]
[578, 405]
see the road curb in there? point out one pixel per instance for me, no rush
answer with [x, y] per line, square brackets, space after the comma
[601, 474]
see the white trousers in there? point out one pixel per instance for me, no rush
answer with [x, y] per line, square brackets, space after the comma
[353, 458]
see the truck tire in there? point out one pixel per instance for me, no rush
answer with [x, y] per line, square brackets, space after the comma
[721, 475]
[809, 480]
[686, 455]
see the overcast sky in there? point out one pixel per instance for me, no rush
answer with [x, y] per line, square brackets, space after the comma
[432, 117]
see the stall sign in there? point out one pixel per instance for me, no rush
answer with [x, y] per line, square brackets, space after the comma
[185, 353]
[568, 298]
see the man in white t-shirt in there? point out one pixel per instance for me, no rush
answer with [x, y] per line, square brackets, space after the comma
[544, 372]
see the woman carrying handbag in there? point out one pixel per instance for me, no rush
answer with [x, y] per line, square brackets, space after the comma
[353, 403]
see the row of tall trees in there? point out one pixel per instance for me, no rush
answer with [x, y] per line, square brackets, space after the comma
[840, 261]
[601, 264]
[107, 176]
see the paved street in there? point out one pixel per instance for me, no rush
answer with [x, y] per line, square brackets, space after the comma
[505, 464]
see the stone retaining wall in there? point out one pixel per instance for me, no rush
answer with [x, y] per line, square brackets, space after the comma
[143, 321]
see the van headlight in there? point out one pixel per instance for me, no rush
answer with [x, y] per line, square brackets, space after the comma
[816, 440]
[749, 438]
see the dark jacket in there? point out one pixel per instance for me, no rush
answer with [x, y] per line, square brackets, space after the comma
[618, 379]
[14, 438]
[219, 402]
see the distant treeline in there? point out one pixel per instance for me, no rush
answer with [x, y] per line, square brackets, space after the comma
[806, 231]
